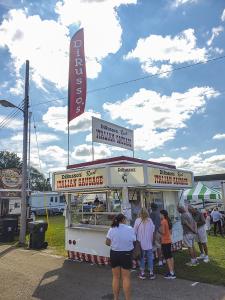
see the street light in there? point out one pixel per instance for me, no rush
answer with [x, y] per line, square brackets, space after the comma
[6, 103]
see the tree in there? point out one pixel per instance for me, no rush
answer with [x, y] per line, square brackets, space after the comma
[38, 182]
[9, 160]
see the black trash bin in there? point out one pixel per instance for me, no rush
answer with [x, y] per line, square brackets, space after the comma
[37, 234]
[8, 229]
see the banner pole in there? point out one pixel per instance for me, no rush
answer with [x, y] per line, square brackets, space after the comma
[68, 144]
[93, 153]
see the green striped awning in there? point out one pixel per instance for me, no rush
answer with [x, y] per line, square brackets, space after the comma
[201, 195]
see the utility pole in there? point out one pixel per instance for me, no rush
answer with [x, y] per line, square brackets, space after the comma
[23, 220]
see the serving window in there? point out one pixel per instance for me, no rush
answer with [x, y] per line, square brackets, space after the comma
[94, 208]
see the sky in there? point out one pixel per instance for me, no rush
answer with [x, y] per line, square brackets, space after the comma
[176, 110]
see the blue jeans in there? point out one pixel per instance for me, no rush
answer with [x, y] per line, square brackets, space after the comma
[149, 255]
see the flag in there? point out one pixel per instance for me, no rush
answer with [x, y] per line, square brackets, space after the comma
[77, 86]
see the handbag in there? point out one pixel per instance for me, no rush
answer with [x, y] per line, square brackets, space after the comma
[137, 251]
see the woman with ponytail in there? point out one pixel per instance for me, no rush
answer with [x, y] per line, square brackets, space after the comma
[165, 230]
[121, 238]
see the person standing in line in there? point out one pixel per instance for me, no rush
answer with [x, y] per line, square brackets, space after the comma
[144, 230]
[216, 217]
[201, 236]
[121, 238]
[208, 222]
[155, 216]
[189, 232]
[165, 228]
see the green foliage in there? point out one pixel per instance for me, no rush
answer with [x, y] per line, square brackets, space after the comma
[11, 160]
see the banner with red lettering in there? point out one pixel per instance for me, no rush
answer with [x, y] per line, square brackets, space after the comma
[77, 76]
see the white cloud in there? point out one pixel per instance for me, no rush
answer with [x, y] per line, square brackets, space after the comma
[46, 42]
[56, 118]
[209, 151]
[42, 138]
[223, 16]
[157, 53]
[196, 163]
[157, 117]
[102, 28]
[219, 136]
[180, 149]
[84, 152]
[178, 3]
[215, 32]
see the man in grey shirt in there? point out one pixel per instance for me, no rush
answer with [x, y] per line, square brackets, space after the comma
[189, 232]
[155, 216]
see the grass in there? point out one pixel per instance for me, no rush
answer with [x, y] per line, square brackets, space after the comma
[212, 272]
[55, 235]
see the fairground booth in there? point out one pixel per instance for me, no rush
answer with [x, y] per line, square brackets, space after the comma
[98, 190]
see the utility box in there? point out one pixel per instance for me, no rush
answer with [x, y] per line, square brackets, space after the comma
[8, 229]
[37, 231]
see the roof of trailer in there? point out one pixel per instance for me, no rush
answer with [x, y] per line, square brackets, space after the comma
[118, 160]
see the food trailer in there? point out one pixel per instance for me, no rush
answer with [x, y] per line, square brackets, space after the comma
[96, 191]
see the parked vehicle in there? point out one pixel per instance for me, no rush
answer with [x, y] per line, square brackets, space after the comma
[42, 202]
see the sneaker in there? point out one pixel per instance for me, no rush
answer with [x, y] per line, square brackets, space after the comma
[142, 276]
[160, 263]
[206, 259]
[151, 276]
[202, 256]
[170, 276]
[192, 264]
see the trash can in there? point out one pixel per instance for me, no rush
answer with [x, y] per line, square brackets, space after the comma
[8, 229]
[37, 234]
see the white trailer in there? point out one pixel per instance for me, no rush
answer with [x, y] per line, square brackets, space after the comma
[96, 191]
[40, 202]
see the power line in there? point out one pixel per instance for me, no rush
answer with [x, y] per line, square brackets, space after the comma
[182, 98]
[35, 127]
[142, 78]
[12, 115]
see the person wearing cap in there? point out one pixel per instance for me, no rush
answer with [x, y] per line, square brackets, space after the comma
[121, 238]
[155, 216]
[201, 236]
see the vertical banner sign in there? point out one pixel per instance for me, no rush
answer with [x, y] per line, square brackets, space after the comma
[77, 76]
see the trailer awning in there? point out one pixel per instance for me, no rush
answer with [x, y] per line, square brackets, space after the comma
[202, 196]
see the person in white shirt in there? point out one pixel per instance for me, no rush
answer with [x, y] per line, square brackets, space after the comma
[216, 217]
[121, 238]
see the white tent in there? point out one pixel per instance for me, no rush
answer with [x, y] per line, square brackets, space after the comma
[202, 196]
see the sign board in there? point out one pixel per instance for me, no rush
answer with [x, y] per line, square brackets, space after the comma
[169, 178]
[126, 175]
[80, 179]
[108, 133]
[10, 179]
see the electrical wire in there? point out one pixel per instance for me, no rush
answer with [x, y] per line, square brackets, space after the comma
[142, 78]
[177, 99]
[38, 151]
[11, 116]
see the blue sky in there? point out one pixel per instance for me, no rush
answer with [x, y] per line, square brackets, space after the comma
[177, 116]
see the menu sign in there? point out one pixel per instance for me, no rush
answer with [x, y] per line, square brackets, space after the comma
[10, 179]
[169, 178]
[126, 176]
[79, 179]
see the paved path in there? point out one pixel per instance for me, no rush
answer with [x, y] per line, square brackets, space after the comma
[27, 274]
